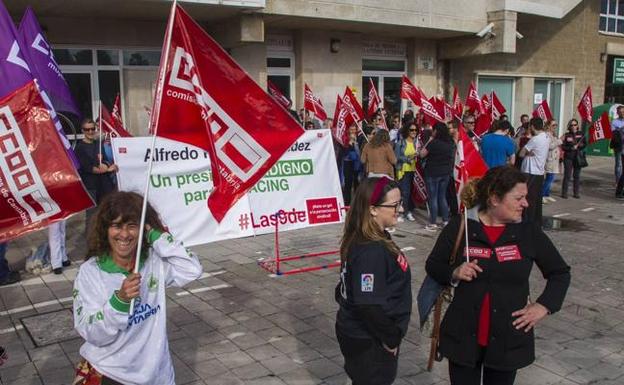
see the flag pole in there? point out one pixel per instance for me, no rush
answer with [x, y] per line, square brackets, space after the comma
[154, 125]
[100, 135]
[466, 233]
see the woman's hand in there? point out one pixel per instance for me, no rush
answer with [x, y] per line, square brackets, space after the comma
[113, 168]
[394, 351]
[467, 271]
[130, 287]
[529, 316]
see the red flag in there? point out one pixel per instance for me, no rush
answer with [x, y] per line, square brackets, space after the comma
[487, 105]
[448, 111]
[409, 91]
[483, 123]
[543, 111]
[116, 112]
[585, 107]
[428, 108]
[110, 126]
[351, 103]
[458, 108]
[468, 162]
[419, 188]
[601, 129]
[278, 95]
[373, 99]
[473, 102]
[312, 103]
[498, 108]
[39, 183]
[342, 120]
[205, 99]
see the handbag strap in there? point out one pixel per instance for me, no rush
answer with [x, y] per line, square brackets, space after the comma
[458, 238]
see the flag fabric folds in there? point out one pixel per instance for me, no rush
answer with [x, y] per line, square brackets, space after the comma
[313, 103]
[543, 111]
[111, 126]
[44, 65]
[585, 106]
[468, 162]
[601, 129]
[373, 99]
[278, 95]
[204, 98]
[40, 183]
[473, 102]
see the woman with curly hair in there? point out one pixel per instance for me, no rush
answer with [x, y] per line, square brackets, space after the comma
[374, 291]
[122, 347]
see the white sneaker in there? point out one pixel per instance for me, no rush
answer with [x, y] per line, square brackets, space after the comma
[431, 227]
[410, 217]
[400, 219]
[444, 223]
[545, 200]
[551, 199]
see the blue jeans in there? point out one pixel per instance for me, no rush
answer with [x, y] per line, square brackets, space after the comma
[405, 185]
[4, 265]
[436, 197]
[550, 177]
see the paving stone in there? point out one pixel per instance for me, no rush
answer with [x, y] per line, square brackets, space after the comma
[235, 359]
[251, 371]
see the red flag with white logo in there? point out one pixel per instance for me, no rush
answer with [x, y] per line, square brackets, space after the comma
[458, 108]
[110, 125]
[207, 100]
[116, 112]
[373, 99]
[498, 108]
[38, 182]
[585, 106]
[429, 109]
[313, 103]
[543, 111]
[409, 91]
[351, 103]
[473, 102]
[342, 120]
[601, 129]
[468, 162]
[278, 95]
[419, 188]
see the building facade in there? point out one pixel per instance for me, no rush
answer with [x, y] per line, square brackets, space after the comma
[524, 50]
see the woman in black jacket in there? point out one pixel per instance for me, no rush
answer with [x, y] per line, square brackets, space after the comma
[490, 322]
[573, 142]
[374, 292]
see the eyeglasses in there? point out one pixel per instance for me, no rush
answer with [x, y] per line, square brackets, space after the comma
[395, 206]
[470, 122]
[88, 129]
[573, 124]
[413, 129]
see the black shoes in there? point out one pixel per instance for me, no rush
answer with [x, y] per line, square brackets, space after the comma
[12, 277]
[66, 263]
[564, 196]
[577, 196]
[59, 270]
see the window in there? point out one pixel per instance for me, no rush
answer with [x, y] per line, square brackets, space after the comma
[281, 73]
[612, 16]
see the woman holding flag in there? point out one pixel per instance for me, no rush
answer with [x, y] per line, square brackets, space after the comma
[573, 142]
[405, 151]
[125, 345]
[489, 324]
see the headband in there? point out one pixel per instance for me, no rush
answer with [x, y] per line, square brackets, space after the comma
[378, 191]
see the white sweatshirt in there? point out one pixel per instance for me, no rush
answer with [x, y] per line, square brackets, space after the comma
[133, 349]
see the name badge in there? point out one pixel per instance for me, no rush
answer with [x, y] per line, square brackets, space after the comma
[508, 253]
[402, 261]
[479, 252]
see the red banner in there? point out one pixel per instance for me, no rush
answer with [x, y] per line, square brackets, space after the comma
[278, 95]
[468, 162]
[543, 111]
[110, 125]
[419, 188]
[312, 103]
[585, 106]
[601, 129]
[38, 182]
[205, 99]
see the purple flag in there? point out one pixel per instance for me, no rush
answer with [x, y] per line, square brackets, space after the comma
[14, 70]
[44, 67]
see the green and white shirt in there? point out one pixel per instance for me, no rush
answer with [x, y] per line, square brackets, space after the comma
[131, 349]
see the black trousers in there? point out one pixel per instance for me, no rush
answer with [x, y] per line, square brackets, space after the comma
[367, 362]
[465, 375]
[533, 213]
[571, 171]
[619, 190]
[350, 182]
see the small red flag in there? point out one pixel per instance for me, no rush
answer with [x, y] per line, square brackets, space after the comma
[468, 162]
[543, 111]
[312, 103]
[351, 103]
[373, 99]
[111, 126]
[409, 91]
[601, 129]
[116, 112]
[585, 106]
[458, 108]
[342, 120]
[498, 108]
[278, 95]
[473, 102]
[419, 188]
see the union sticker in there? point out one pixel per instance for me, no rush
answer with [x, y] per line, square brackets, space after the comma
[368, 281]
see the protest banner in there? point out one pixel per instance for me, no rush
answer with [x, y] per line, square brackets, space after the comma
[303, 186]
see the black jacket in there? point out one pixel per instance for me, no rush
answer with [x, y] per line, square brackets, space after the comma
[569, 140]
[508, 285]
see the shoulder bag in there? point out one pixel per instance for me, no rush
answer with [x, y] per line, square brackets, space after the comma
[433, 299]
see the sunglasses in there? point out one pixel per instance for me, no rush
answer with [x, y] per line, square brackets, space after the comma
[469, 122]
[413, 130]
[88, 129]
[395, 206]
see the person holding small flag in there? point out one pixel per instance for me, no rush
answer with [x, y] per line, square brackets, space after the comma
[126, 344]
[573, 143]
[487, 333]
[405, 151]
[617, 126]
